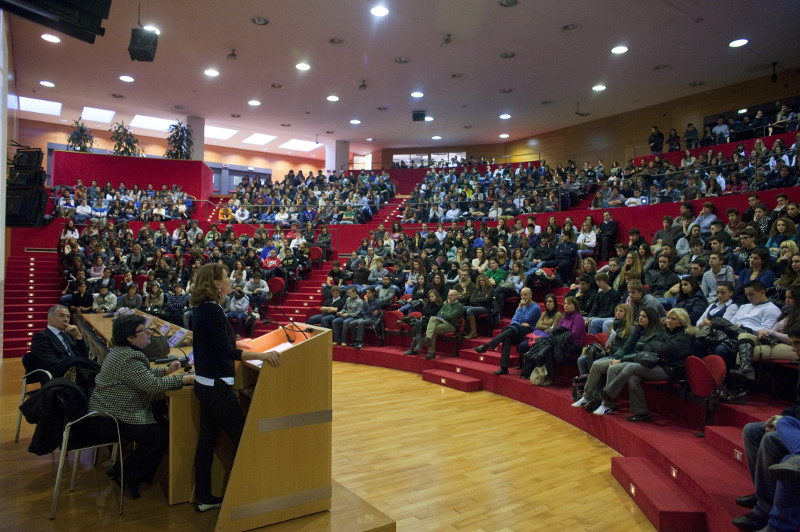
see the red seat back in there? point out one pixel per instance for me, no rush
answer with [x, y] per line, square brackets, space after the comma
[698, 374]
[716, 365]
[276, 285]
[390, 319]
[315, 253]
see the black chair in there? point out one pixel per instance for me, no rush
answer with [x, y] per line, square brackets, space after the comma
[32, 376]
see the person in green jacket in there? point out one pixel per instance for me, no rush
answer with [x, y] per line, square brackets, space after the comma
[495, 274]
[446, 321]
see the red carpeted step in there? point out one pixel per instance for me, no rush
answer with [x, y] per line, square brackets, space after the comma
[453, 380]
[385, 357]
[471, 368]
[490, 357]
[665, 504]
[728, 442]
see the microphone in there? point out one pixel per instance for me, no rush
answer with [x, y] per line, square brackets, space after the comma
[296, 328]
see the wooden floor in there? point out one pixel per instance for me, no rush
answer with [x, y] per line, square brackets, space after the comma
[429, 457]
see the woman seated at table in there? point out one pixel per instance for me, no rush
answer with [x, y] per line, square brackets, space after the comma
[125, 388]
[672, 353]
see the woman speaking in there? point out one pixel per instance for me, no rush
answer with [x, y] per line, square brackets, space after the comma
[215, 351]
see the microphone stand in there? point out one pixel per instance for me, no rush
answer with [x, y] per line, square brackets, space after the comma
[285, 329]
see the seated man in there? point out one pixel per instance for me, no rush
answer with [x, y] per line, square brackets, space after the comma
[175, 304]
[59, 341]
[256, 290]
[523, 322]
[237, 308]
[104, 301]
[446, 321]
[370, 314]
[329, 308]
[777, 490]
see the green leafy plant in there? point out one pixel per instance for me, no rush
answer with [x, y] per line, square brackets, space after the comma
[125, 142]
[179, 142]
[81, 139]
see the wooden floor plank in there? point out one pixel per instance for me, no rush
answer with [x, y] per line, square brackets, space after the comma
[429, 457]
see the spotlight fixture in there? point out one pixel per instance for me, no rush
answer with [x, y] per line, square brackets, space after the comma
[508, 55]
[259, 21]
[599, 88]
[48, 84]
[302, 66]
[696, 83]
[457, 75]
[505, 116]
[232, 55]
[336, 40]
[508, 3]
[363, 86]
[211, 73]
[253, 103]
[126, 79]
[417, 94]
[402, 60]
[619, 49]
[506, 90]
[50, 38]
[355, 121]
[738, 43]
[447, 39]
[571, 28]
[436, 137]
[379, 11]
[503, 135]
[330, 132]
[276, 86]
[333, 98]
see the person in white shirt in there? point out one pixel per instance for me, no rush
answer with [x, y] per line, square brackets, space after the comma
[241, 214]
[723, 307]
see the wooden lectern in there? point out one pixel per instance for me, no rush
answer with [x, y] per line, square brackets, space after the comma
[282, 468]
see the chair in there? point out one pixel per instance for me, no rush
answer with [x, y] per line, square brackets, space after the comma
[705, 377]
[32, 376]
[277, 287]
[458, 335]
[391, 323]
[140, 280]
[70, 446]
[315, 254]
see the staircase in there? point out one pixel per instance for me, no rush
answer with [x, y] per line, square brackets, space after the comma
[33, 285]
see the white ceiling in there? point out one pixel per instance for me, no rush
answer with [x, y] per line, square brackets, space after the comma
[691, 36]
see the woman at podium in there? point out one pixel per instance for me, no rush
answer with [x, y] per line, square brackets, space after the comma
[215, 353]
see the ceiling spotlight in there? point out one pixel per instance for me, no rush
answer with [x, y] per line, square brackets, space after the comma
[50, 38]
[546, 102]
[457, 75]
[330, 132]
[382, 108]
[508, 3]
[571, 28]
[333, 98]
[276, 86]
[738, 43]
[285, 124]
[436, 137]
[117, 95]
[152, 28]
[696, 83]
[417, 94]
[49, 84]
[662, 68]
[401, 60]
[467, 127]
[336, 40]
[506, 90]
[503, 135]
[505, 116]
[211, 73]
[619, 49]
[429, 119]
[355, 121]
[379, 11]
[179, 107]
[126, 79]
[508, 55]
[599, 88]
[302, 66]
[235, 115]
[259, 21]
[232, 55]
[254, 103]
[363, 85]
[741, 111]
[369, 139]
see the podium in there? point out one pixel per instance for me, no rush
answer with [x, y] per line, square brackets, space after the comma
[282, 469]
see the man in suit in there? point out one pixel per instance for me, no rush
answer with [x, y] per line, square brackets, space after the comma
[58, 341]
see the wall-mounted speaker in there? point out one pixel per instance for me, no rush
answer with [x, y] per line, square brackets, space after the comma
[143, 45]
[25, 207]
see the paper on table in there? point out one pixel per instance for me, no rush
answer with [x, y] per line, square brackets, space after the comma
[280, 348]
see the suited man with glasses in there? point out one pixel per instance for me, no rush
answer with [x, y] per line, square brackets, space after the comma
[59, 341]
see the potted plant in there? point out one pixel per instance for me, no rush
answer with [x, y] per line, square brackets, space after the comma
[81, 139]
[179, 142]
[125, 142]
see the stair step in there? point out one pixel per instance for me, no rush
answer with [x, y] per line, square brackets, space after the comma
[728, 442]
[467, 367]
[664, 503]
[453, 380]
[489, 357]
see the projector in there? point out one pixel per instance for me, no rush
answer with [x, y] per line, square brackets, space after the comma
[143, 45]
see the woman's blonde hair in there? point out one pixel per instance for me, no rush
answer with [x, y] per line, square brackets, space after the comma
[683, 317]
[204, 287]
[627, 320]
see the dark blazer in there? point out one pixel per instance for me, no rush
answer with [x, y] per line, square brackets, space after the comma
[47, 351]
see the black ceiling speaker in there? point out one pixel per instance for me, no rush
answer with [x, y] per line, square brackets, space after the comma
[418, 116]
[143, 45]
[81, 19]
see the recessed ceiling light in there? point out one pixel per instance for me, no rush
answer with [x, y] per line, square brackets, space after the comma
[336, 40]
[152, 28]
[457, 75]
[662, 68]
[506, 90]
[330, 132]
[45, 83]
[259, 21]
[742, 111]
[436, 137]
[50, 38]
[332, 98]
[276, 86]
[94, 114]
[285, 124]
[505, 116]
[429, 119]
[34, 105]
[302, 66]
[179, 107]
[417, 94]
[467, 127]
[737, 43]
[355, 121]
[599, 88]
[117, 95]
[300, 145]
[126, 79]
[401, 60]
[211, 73]
[219, 133]
[546, 102]
[151, 122]
[696, 83]
[379, 11]
[382, 108]
[235, 115]
[503, 135]
[508, 3]
[619, 49]
[508, 55]
[259, 139]
[369, 139]
[254, 103]
[570, 28]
